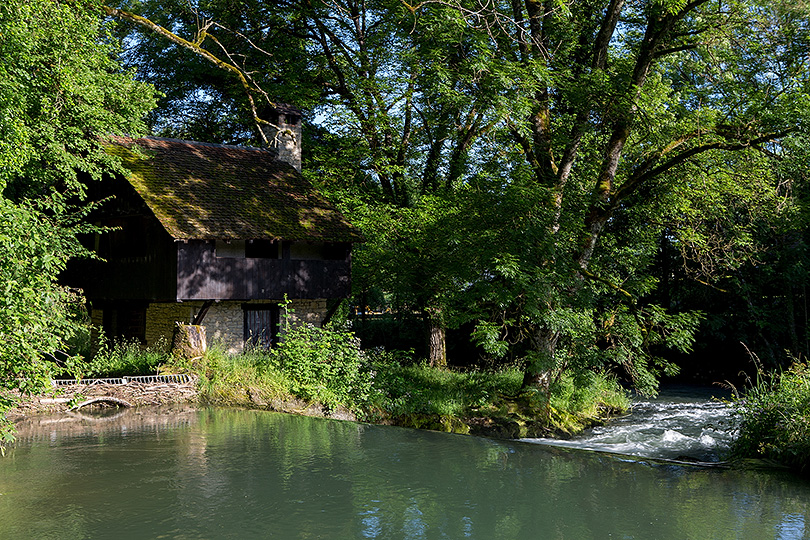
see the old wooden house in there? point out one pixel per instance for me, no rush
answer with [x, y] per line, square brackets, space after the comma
[214, 235]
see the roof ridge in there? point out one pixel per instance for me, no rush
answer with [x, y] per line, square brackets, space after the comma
[212, 145]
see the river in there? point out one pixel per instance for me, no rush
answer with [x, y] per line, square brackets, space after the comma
[684, 423]
[233, 474]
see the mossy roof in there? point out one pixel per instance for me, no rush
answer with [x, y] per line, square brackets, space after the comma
[206, 191]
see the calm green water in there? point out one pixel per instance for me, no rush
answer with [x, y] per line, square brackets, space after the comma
[244, 474]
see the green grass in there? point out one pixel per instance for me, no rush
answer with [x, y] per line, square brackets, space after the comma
[420, 389]
[326, 367]
[417, 393]
[581, 400]
[775, 419]
[117, 358]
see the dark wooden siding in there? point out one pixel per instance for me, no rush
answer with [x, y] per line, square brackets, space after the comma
[141, 263]
[203, 276]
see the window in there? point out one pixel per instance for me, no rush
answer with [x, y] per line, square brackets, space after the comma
[331, 251]
[262, 249]
[125, 321]
[261, 325]
[305, 251]
[336, 251]
[230, 248]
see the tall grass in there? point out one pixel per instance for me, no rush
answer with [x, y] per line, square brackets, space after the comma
[774, 418]
[238, 380]
[115, 358]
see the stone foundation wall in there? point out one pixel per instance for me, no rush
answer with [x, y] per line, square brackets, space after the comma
[307, 311]
[224, 321]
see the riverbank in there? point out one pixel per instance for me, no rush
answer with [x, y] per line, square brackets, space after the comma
[419, 397]
[324, 372]
[774, 418]
[126, 392]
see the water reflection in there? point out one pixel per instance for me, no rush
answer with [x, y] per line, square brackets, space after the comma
[245, 474]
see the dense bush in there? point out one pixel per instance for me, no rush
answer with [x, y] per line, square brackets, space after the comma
[775, 419]
[324, 365]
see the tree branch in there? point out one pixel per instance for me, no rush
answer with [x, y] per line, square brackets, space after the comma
[636, 180]
[196, 48]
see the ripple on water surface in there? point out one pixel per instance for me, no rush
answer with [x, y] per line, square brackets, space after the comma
[680, 423]
[227, 474]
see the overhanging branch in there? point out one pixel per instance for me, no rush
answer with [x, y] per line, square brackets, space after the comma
[645, 173]
[196, 48]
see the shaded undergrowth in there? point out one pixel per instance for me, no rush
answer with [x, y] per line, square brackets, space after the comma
[115, 358]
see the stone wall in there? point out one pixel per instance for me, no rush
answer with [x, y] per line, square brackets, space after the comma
[308, 311]
[224, 321]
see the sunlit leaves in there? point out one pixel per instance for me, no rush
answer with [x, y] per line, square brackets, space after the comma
[61, 93]
[481, 153]
[61, 90]
[34, 313]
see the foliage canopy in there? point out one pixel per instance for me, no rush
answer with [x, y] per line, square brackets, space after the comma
[61, 92]
[520, 164]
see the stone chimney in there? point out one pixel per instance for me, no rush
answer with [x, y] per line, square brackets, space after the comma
[285, 142]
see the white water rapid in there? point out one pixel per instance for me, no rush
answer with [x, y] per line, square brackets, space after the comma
[682, 423]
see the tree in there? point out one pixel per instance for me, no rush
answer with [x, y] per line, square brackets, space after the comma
[61, 93]
[403, 100]
[758, 302]
[611, 118]
[621, 111]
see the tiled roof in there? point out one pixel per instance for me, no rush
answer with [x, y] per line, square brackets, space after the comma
[207, 191]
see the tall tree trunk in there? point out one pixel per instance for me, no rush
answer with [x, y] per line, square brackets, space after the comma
[805, 328]
[539, 369]
[437, 348]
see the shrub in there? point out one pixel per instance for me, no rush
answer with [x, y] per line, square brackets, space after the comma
[774, 417]
[324, 365]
